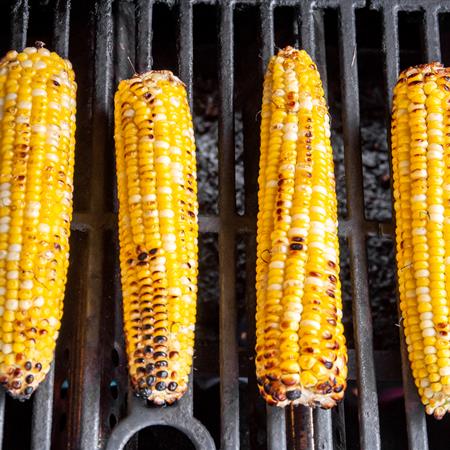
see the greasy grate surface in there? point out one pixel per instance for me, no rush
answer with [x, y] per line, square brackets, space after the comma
[219, 49]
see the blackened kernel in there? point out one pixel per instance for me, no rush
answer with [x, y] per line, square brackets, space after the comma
[173, 354]
[149, 367]
[142, 263]
[160, 355]
[150, 380]
[330, 293]
[29, 390]
[142, 256]
[16, 384]
[338, 388]
[298, 239]
[259, 380]
[3, 380]
[153, 251]
[293, 395]
[267, 388]
[159, 339]
[141, 382]
[17, 372]
[309, 350]
[314, 274]
[162, 374]
[332, 264]
[296, 247]
[139, 361]
[129, 261]
[145, 392]
[147, 327]
[29, 379]
[160, 386]
[28, 365]
[328, 364]
[140, 370]
[147, 310]
[172, 386]
[148, 349]
[159, 364]
[147, 337]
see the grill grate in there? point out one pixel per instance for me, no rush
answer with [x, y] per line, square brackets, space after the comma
[84, 402]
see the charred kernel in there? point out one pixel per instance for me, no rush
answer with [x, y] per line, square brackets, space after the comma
[332, 278]
[160, 386]
[172, 386]
[28, 390]
[140, 370]
[162, 374]
[153, 251]
[267, 388]
[29, 379]
[296, 247]
[150, 380]
[298, 239]
[159, 339]
[38, 367]
[129, 261]
[159, 364]
[16, 384]
[328, 364]
[17, 372]
[314, 274]
[160, 355]
[293, 395]
[338, 388]
[139, 361]
[330, 293]
[3, 380]
[148, 349]
[142, 256]
[147, 327]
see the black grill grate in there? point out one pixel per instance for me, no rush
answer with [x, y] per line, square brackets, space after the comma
[85, 402]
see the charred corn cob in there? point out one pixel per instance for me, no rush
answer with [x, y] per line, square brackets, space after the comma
[157, 189]
[301, 352]
[421, 172]
[37, 140]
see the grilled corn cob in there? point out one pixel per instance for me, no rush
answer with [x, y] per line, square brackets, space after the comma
[37, 140]
[157, 189]
[421, 172]
[301, 352]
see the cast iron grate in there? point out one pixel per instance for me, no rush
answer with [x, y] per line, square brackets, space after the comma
[84, 404]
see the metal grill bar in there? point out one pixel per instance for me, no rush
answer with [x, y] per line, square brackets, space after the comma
[229, 371]
[186, 45]
[367, 398]
[20, 13]
[144, 35]
[85, 410]
[432, 41]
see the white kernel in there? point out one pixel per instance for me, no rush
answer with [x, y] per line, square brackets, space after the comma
[27, 64]
[53, 321]
[175, 291]
[274, 287]
[2, 291]
[3, 254]
[420, 231]
[317, 245]
[423, 290]
[7, 348]
[13, 256]
[164, 190]
[43, 228]
[447, 260]
[276, 264]
[444, 371]
[291, 127]
[435, 132]
[4, 227]
[317, 226]
[288, 167]
[48, 254]
[52, 157]
[175, 150]
[32, 213]
[54, 105]
[15, 247]
[438, 209]
[311, 323]
[424, 382]
[168, 213]
[163, 160]
[430, 350]
[30, 50]
[419, 198]
[306, 103]
[38, 301]
[428, 330]
[272, 184]
[149, 198]
[39, 129]
[161, 144]
[416, 174]
[10, 96]
[2, 311]
[435, 117]
[12, 305]
[314, 280]
[302, 217]
[438, 218]
[168, 238]
[23, 104]
[428, 315]
[175, 102]
[39, 64]
[135, 198]
[290, 136]
[27, 284]
[25, 304]
[159, 117]
[38, 92]
[321, 189]
[423, 273]
[318, 209]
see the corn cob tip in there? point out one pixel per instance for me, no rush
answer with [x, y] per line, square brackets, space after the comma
[151, 77]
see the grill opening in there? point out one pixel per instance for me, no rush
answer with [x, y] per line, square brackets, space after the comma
[220, 49]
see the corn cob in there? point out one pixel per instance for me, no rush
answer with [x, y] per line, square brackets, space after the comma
[37, 135]
[157, 189]
[420, 133]
[301, 352]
